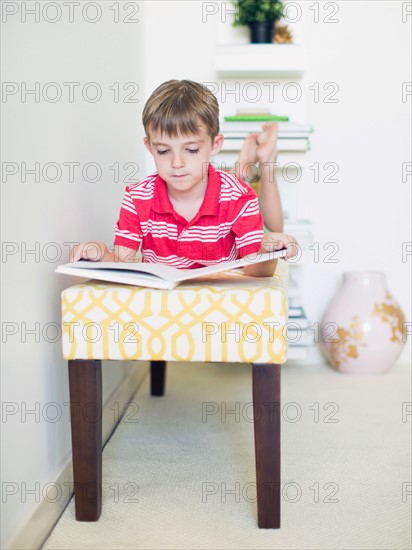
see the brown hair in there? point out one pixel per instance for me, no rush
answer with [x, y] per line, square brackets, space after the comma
[180, 107]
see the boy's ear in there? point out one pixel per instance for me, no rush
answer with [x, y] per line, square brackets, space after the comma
[217, 144]
[146, 142]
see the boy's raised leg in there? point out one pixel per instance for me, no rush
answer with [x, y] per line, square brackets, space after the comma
[245, 166]
[262, 150]
[269, 197]
[267, 142]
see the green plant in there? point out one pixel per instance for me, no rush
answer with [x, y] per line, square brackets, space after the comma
[250, 11]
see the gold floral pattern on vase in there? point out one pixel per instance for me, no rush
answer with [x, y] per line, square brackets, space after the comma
[389, 312]
[369, 325]
[345, 344]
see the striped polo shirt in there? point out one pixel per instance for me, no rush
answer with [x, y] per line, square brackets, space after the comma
[228, 225]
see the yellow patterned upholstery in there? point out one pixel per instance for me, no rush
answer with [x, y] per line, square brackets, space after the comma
[236, 320]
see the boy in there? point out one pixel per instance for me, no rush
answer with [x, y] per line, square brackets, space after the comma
[187, 214]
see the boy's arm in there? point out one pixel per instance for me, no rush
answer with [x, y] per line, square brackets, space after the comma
[269, 197]
[270, 242]
[262, 147]
[97, 251]
[123, 254]
[249, 237]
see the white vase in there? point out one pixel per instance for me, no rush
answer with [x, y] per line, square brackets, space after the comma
[363, 329]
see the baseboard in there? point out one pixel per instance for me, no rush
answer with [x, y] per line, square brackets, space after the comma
[34, 532]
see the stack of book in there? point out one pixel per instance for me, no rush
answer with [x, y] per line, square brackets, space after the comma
[292, 136]
[299, 334]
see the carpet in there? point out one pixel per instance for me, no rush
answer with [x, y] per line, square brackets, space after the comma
[179, 470]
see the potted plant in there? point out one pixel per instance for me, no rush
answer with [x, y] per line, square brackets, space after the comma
[260, 16]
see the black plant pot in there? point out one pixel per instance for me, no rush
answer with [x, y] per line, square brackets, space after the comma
[261, 32]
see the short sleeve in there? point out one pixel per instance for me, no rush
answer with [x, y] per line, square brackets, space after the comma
[128, 231]
[248, 224]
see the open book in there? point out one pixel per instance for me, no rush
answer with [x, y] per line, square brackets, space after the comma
[156, 275]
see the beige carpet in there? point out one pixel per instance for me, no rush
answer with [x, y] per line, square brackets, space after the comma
[174, 481]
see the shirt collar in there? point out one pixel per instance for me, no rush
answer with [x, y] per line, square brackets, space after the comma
[161, 201]
[210, 204]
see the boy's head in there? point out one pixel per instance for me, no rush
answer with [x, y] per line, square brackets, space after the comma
[180, 107]
[181, 120]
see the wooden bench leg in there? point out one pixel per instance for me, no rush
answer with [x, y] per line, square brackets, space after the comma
[266, 405]
[157, 377]
[85, 380]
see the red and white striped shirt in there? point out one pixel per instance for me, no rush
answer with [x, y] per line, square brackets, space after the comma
[228, 225]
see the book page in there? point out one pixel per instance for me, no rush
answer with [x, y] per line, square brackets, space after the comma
[166, 272]
[160, 275]
[225, 266]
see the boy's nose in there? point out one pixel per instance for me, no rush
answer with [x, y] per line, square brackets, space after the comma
[177, 161]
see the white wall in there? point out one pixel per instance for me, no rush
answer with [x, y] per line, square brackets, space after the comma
[35, 451]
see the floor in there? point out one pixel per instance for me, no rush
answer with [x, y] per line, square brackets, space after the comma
[179, 470]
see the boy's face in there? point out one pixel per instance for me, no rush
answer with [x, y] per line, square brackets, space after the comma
[182, 161]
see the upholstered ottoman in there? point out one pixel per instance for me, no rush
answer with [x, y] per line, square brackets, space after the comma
[226, 318]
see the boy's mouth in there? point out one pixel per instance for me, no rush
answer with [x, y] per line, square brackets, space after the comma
[179, 175]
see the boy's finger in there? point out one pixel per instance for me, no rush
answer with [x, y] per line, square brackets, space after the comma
[77, 255]
[72, 257]
[93, 251]
[292, 250]
[272, 245]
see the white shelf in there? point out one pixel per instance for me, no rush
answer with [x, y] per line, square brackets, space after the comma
[260, 59]
[297, 145]
[301, 352]
[285, 158]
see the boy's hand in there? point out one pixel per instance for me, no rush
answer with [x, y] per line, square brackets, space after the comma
[277, 241]
[271, 242]
[96, 251]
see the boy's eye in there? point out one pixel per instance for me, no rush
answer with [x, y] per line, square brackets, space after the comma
[164, 151]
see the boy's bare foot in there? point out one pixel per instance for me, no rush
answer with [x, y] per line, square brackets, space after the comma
[260, 148]
[267, 149]
[248, 157]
